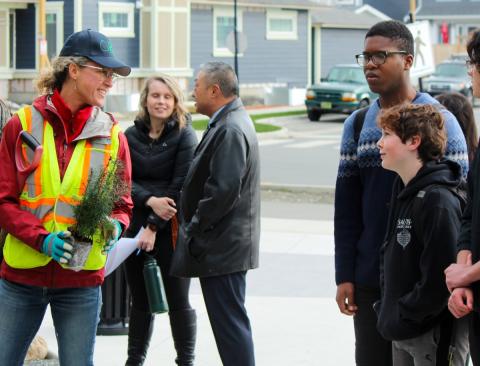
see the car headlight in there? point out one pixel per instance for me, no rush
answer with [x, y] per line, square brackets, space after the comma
[310, 94]
[349, 97]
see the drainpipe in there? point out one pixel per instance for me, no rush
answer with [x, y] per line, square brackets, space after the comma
[42, 34]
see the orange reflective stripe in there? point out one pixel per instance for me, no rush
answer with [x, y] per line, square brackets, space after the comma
[37, 175]
[28, 118]
[38, 203]
[59, 219]
[69, 200]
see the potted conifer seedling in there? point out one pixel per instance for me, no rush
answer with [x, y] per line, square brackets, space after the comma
[104, 188]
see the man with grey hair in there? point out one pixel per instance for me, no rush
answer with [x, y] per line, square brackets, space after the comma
[219, 214]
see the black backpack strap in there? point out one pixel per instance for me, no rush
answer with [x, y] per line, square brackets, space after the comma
[358, 123]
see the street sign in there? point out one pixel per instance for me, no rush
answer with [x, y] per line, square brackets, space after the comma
[242, 42]
[423, 63]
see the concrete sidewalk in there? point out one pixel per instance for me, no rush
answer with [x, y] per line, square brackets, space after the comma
[290, 300]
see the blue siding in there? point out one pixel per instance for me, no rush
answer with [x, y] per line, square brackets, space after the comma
[25, 33]
[264, 61]
[68, 18]
[126, 49]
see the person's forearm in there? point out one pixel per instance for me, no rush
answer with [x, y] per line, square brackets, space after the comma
[473, 273]
[462, 256]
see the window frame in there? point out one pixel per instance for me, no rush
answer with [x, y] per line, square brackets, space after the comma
[282, 14]
[56, 7]
[225, 12]
[117, 7]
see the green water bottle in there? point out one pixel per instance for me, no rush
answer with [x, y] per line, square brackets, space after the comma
[152, 276]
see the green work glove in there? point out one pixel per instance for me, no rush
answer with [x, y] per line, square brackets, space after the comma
[112, 235]
[54, 246]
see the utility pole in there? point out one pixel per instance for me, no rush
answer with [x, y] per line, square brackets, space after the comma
[235, 36]
[413, 9]
[42, 34]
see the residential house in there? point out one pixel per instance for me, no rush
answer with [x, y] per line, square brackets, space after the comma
[274, 39]
[451, 22]
[172, 36]
[338, 34]
[152, 36]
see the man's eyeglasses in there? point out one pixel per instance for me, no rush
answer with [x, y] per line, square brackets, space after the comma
[377, 58]
[471, 65]
[107, 74]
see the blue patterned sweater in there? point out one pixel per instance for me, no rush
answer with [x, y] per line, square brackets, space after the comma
[363, 191]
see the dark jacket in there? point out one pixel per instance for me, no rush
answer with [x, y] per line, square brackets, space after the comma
[470, 229]
[419, 245]
[159, 167]
[220, 201]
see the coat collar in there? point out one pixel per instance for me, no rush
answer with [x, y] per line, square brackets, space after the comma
[234, 104]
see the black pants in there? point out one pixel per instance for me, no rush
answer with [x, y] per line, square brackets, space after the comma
[176, 289]
[370, 348]
[225, 302]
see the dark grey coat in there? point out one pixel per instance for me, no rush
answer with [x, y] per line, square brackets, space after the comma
[220, 200]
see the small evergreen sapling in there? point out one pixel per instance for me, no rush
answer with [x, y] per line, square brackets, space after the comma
[104, 189]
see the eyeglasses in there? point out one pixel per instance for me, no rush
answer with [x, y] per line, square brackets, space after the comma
[107, 74]
[471, 65]
[377, 58]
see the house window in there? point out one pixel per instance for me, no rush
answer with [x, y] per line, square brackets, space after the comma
[223, 22]
[116, 19]
[54, 27]
[281, 24]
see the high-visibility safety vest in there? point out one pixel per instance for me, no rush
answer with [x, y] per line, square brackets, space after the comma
[50, 198]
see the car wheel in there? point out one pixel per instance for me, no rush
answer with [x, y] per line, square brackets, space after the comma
[314, 115]
[363, 103]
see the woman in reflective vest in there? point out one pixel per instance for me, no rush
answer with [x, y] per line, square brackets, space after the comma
[36, 204]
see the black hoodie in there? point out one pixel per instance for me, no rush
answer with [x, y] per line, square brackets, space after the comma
[417, 249]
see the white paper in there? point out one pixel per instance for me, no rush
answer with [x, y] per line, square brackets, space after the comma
[120, 252]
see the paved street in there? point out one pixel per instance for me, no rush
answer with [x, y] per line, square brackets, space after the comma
[309, 153]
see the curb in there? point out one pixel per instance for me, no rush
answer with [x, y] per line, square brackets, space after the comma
[323, 194]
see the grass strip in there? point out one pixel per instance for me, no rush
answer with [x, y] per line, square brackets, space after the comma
[201, 124]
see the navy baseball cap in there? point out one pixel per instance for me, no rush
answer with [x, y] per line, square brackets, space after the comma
[96, 47]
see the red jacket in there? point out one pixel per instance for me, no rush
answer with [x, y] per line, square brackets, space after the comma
[27, 227]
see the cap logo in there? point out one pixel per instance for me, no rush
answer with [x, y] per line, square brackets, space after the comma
[106, 46]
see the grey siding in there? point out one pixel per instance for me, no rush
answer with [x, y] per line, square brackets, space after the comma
[264, 61]
[25, 34]
[126, 49]
[339, 46]
[449, 8]
[393, 8]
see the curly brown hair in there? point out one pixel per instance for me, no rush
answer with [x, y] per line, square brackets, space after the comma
[424, 120]
[53, 77]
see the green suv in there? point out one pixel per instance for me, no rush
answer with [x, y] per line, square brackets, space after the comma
[343, 91]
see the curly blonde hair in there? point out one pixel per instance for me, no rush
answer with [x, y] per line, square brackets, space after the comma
[54, 77]
[179, 111]
[424, 120]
